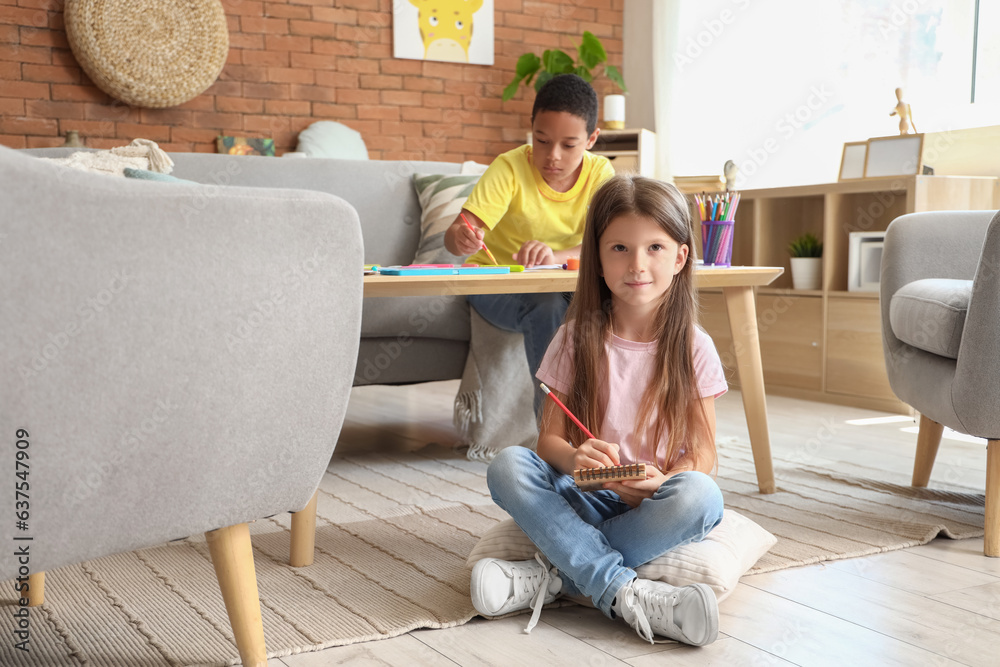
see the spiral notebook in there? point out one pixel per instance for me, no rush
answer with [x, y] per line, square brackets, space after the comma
[589, 479]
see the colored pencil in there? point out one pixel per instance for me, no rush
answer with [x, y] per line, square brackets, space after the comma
[487, 250]
[718, 207]
[548, 392]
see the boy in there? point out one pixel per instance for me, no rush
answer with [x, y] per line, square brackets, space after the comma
[529, 208]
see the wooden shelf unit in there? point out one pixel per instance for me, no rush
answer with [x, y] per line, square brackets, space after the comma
[631, 151]
[826, 344]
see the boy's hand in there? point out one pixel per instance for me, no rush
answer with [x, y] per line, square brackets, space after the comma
[596, 453]
[469, 242]
[634, 492]
[460, 240]
[534, 252]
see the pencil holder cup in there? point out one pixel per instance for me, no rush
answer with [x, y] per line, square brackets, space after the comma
[716, 242]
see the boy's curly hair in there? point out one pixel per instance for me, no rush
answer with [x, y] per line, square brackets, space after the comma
[569, 93]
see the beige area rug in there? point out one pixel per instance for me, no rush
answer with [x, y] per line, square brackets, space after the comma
[393, 535]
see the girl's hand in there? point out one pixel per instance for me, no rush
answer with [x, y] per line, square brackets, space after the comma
[634, 492]
[534, 252]
[596, 453]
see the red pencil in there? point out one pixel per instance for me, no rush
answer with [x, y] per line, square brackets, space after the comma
[548, 392]
[487, 250]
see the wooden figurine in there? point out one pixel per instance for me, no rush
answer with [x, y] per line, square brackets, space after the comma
[729, 172]
[905, 114]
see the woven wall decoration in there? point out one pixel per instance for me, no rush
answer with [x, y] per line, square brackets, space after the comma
[149, 53]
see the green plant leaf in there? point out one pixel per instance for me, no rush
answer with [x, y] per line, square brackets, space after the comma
[612, 73]
[806, 245]
[591, 51]
[543, 78]
[511, 90]
[584, 73]
[557, 62]
[527, 65]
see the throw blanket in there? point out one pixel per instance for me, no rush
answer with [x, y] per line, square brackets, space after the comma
[140, 154]
[493, 408]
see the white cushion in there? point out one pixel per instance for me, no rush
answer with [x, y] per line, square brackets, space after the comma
[719, 560]
[473, 167]
[441, 199]
[330, 139]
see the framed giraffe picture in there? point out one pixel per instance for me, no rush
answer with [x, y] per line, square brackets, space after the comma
[456, 31]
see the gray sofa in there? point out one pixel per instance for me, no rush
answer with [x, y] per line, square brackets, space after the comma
[403, 340]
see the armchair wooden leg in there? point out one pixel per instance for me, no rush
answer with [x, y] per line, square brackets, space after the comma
[928, 440]
[991, 541]
[232, 556]
[303, 534]
[36, 589]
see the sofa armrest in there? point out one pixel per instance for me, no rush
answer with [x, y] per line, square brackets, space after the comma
[976, 392]
[936, 244]
[181, 355]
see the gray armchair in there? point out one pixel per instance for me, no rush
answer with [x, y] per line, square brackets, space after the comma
[940, 304]
[175, 359]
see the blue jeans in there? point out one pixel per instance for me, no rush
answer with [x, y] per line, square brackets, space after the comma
[537, 316]
[594, 538]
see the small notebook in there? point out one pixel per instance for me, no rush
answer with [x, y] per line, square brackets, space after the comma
[589, 479]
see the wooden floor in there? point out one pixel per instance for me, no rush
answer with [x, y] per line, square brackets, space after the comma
[937, 604]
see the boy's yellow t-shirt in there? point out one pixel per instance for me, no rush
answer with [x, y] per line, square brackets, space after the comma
[517, 205]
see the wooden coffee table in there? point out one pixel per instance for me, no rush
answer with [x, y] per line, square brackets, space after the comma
[737, 283]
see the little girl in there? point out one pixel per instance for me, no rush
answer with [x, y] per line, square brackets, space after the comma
[630, 362]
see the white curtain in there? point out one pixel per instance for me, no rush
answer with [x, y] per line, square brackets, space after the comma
[666, 35]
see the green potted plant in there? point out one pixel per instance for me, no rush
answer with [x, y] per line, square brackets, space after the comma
[590, 57]
[807, 261]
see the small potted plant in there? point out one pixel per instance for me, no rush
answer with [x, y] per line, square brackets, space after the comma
[807, 261]
[590, 56]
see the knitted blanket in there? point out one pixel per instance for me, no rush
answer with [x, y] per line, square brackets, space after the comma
[140, 154]
[493, 408]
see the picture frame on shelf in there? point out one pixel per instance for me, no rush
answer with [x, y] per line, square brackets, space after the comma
[244, 145]
[899, 155]
[852, 161]
[864, 261]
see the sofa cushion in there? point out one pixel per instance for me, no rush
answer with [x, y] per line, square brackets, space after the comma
[929, 314]
[380, 191]
[441, 199]
[330, 139]
[389, 361]
[444, 316]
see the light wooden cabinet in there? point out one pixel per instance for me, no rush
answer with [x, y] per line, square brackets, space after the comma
[826, 344]
[855, 365]
[630, 151]
[791, 338]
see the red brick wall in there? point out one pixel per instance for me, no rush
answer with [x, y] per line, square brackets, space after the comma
[291, 63]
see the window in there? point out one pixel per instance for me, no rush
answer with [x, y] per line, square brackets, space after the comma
[986, 53]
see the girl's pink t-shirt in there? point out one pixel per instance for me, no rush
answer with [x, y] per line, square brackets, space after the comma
[630, 365]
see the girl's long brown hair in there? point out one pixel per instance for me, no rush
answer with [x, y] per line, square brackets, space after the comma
[671, 401]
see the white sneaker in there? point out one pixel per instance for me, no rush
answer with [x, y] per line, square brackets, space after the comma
[501, 586]
[688, 614]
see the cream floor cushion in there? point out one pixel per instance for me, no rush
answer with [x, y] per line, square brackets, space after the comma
[719, 560]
